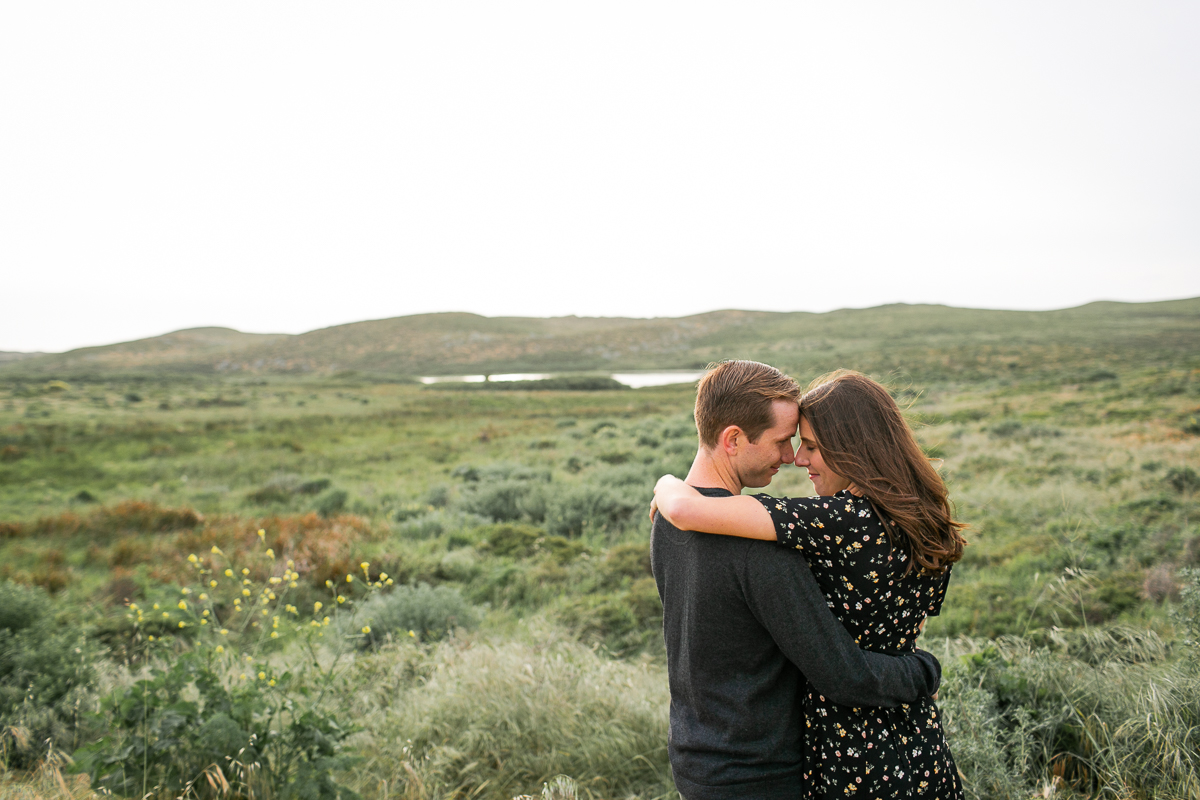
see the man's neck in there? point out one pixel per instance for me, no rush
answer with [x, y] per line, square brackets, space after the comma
[713, 472]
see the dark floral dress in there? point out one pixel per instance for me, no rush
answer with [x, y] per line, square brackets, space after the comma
[867, 752]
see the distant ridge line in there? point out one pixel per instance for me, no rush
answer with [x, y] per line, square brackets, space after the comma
[447, 343]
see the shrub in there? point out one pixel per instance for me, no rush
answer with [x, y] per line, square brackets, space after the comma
[460, 565]
[1187, 616]
[438, 496]
[1006, 429]
[279, 489]
[422, 611]
[628, 561]
[247, 734]
[623, 622]
[45, 673]
[433, 524]
[249, 720]
[313, 487]
[584, 509]
[514, 541]
[506, 501]
[332, 502]
[1160, 584]
[1183, 479]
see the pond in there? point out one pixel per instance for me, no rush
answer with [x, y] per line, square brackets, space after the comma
[636, 380]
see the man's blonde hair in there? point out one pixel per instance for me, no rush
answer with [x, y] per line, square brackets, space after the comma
[740, 393]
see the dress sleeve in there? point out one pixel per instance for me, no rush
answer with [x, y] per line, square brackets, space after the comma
[813, 525]
[938, 595]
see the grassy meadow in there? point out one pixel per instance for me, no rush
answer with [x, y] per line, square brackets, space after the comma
[327, 585]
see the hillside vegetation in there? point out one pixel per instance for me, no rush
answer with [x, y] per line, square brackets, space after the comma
[339, 582]
[927, 341]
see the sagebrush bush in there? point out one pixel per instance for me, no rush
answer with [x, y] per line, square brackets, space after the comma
[623, 622]
[332, 502]
[506, 501]
[427, 612]
[587, 508]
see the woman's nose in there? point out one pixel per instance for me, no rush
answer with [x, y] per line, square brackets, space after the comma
[800, 460]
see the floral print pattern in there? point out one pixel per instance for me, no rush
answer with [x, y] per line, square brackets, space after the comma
[867, 752]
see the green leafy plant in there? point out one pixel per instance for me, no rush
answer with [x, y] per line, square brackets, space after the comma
[219, 701]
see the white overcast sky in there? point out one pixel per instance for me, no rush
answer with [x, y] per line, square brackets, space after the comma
[288, 166]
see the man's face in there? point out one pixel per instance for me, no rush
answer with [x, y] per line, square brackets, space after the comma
[757, 462]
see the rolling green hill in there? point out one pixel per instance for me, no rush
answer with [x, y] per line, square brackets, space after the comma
[921, 340]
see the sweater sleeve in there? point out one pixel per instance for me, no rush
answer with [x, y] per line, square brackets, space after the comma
[784, 597]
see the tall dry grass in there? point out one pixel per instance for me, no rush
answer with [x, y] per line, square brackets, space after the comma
[493, 719]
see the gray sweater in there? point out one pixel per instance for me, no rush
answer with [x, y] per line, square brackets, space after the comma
[745, 624]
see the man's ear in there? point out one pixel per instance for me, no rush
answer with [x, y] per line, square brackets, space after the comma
[730, 438]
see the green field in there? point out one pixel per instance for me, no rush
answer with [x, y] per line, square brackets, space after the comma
[511, 526]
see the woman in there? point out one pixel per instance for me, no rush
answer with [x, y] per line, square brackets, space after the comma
[880, 540]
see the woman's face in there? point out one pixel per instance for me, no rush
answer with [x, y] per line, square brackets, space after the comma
[825, 481]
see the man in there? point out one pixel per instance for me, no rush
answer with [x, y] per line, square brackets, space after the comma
[744, 621]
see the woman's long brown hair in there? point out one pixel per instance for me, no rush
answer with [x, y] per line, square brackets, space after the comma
[863, 437]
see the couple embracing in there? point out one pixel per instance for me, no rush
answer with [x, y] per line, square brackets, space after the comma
[791, 638]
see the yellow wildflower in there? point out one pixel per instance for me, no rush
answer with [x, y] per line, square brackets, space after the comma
[366, 628]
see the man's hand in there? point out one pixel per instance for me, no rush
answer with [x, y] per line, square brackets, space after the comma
[653, 508]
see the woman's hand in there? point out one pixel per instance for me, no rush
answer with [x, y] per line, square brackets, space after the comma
[667, 484]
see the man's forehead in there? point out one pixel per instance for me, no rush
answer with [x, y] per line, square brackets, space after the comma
[785, 413]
